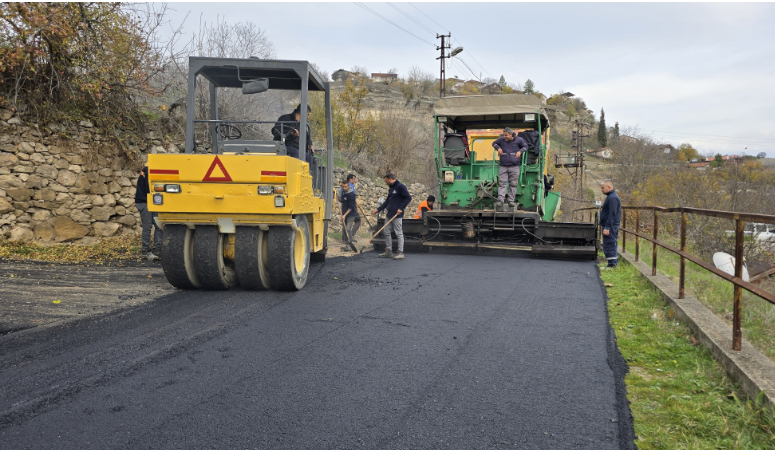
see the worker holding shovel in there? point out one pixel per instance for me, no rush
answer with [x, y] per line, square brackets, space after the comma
[397, 201]
[351, 220]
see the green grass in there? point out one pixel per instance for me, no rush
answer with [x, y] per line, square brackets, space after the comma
[758, 315]
[123, 248]
[680, 396]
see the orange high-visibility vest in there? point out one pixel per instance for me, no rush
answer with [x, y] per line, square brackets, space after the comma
[418, 213]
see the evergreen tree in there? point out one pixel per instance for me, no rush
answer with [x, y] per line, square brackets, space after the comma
[717, 161]
[602, 136]
[529, 87]
[502, 82]
[615, 135]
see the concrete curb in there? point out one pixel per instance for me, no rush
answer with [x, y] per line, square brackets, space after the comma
[750, 368]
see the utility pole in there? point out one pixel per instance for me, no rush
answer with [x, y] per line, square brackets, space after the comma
[443, 72]
[579, 178]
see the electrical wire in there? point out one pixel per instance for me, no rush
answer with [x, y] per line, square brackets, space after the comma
[454, 39]
[392, 23]
[420, 24]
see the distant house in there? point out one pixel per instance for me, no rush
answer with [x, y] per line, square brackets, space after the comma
[699, 165]
[475, 83]
[568, 94]
[492, 88]
[627, 139]
[389, 77]
[452, 84]
[343, 75]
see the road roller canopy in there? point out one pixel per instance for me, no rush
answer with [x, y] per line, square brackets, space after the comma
[491, 111]
[233, 72]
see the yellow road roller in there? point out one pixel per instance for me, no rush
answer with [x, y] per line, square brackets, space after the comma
[254, 209]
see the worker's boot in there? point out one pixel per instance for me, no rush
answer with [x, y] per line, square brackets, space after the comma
[512, 204]
[387, 254]
[498, 204]
[399, 255]
[151, 257]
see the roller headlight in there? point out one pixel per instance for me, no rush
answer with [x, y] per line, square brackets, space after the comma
[265, 190]
[279, 201]
[172, 188]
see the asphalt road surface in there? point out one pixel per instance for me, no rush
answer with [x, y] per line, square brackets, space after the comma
[435, 351]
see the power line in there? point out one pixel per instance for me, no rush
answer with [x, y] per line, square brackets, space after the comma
[431, 18]
[392, 23]
[469, 69]
[461, 44]
[472, 57]
[420, 24]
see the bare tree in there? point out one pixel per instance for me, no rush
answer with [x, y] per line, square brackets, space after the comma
[243, 40]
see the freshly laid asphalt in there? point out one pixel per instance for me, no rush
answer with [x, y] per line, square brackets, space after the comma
[435, 351]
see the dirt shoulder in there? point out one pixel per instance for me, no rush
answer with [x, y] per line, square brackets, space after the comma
[38, 293]
[35, 293]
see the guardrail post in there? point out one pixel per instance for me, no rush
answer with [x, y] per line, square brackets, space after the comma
[737, 334]
[637, 230]
[654, 245]
[682, 277]
[624, 233]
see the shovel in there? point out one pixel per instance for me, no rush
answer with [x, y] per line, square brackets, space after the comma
[347, 236]
[377, 233]
[365, 217]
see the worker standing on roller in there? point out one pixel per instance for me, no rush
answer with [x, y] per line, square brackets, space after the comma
[610, 217]
[398, 199]
[426, 205]
[290, 131]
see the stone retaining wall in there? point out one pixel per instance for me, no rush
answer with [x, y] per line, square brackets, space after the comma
[66, 184]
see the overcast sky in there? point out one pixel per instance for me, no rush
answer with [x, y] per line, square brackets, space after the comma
[698, 73]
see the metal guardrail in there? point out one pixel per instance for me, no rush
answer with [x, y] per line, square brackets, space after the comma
[740, 220]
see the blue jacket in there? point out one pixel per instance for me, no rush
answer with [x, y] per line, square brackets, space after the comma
[398, 198]
[510, 149]
[348, 203]
[611, 212]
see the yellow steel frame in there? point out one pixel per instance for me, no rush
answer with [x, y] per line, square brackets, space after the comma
[225, 186]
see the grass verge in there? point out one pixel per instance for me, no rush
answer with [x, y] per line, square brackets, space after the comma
[123, 248]
[680, 397]
[758, 315]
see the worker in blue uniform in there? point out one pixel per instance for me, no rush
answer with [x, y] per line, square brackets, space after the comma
[610, 218]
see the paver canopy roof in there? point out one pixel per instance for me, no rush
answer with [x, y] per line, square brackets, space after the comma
[488, 105]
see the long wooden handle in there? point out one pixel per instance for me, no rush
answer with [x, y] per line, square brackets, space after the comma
[377, 233]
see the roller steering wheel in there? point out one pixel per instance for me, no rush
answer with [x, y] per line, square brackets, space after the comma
[228, 132]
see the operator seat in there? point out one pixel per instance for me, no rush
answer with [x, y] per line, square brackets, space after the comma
[456, 149]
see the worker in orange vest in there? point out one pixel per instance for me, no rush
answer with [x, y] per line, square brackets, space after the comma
[426, 205]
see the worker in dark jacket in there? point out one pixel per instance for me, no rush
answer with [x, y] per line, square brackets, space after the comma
[351, 220]
[610, 218]
[397, 200]
[291, 133]
[510, 148]
[146, 217]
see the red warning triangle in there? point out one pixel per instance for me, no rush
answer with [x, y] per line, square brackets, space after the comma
[217, 162]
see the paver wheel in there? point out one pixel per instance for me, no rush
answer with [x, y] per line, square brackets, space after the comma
[214, 259]
[177, 257]
[289, 255]
[250, 258]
